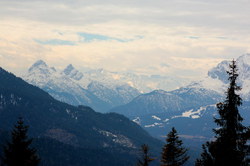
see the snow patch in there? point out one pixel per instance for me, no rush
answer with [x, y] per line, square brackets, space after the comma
[166, 120]
[155, 117]
[154, 125]
[194, 114]
[137, 120]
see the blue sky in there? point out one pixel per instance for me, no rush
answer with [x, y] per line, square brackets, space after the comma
[85, 38]
[55, 42]
[189, 36]
[88, 37]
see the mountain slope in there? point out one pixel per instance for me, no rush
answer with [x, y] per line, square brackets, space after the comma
[81, 129]
[143, 83]
[73, 87]
[191, 108]
[173, 102]
[219, 73]
[203, 93]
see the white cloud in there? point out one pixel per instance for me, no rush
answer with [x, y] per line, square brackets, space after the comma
[190, 36]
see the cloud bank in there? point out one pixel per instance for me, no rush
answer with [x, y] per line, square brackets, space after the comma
[178, 38]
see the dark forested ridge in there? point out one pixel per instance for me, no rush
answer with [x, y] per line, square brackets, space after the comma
[68, 135]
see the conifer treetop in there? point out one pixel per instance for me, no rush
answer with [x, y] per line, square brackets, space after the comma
[18, 151]
[173, 154]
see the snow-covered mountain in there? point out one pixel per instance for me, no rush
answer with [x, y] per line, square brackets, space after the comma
[143, 83]
[243, 64]
[61, 86]
[190, 108]
[113, 95]
[219, 73]
[170, 103]
[70, 86]
[98, 88]
[104, 85]
[71, 72]
[217, 77]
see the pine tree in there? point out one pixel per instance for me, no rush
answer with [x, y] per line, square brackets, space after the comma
[173, 154]
[146, 159]
[206, 159]
[18, 151]
[230, 146]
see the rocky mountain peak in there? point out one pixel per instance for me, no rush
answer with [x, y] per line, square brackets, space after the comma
[243, 64]
[244, 59]
[68, 69]
[40, 67]
[38, 64]
[72, 72]
[219, 72]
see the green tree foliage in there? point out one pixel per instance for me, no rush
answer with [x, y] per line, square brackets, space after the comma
[145, 158]
[18, 151]
[230, 145]
[173, 154]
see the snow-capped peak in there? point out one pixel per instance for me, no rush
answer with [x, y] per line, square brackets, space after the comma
[217, 78]
[38, 64]
[68, 69]
[40, 67]
[72, 72]
[243, 64]
[244, 59]
[219, 72]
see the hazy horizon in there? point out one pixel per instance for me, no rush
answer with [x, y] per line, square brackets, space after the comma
[172, 38]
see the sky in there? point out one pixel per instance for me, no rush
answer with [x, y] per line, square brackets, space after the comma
[179, 38]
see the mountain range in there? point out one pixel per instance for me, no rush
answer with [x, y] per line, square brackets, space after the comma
[69, 86]
[189, 106]
[123, 93]
[68, 135]
[98, 88]
[190, 109]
